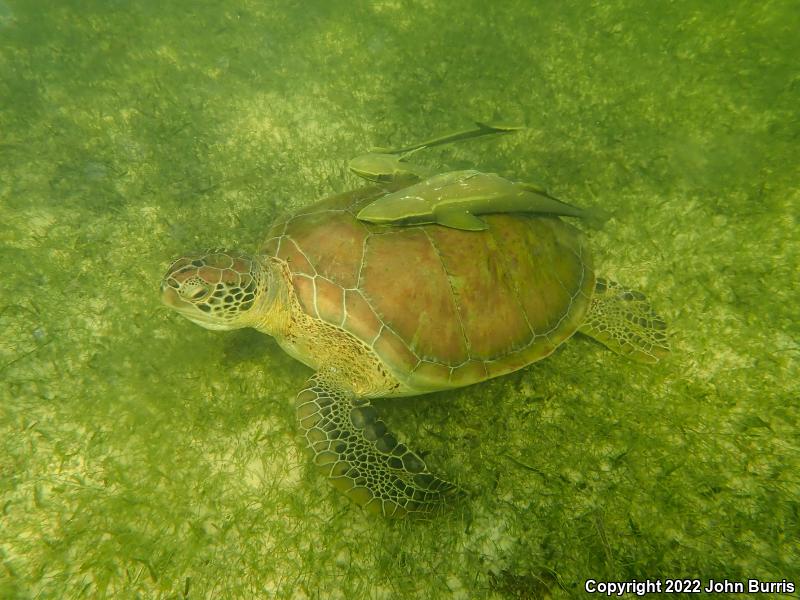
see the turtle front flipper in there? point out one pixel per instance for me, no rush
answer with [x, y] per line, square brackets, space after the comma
[623, 320]
[361, 458]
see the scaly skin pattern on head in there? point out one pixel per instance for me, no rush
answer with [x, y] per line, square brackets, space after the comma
[351, 446]
[216, 290]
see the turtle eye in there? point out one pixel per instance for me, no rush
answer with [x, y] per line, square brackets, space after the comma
[198, 293]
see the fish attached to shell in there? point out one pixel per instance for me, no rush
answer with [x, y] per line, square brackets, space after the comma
[457, 199]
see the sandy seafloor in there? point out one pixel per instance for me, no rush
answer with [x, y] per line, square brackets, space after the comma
[144, 457]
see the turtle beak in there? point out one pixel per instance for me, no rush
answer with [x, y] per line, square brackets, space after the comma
[169, 295]
[186, 309]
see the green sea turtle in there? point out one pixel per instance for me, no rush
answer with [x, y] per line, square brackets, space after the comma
[383, 311]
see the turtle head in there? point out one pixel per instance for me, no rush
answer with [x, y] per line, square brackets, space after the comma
[217, 290]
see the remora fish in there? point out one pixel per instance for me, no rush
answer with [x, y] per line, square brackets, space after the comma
[386, 168]
[480, 130]
[384, 165]
[455, 199]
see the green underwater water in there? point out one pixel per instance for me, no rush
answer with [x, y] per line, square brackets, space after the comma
[144, 457]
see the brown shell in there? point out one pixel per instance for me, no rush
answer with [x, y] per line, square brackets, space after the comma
[442, 307]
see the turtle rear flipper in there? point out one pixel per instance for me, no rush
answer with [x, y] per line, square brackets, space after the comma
[361, 458]
[623, 320]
